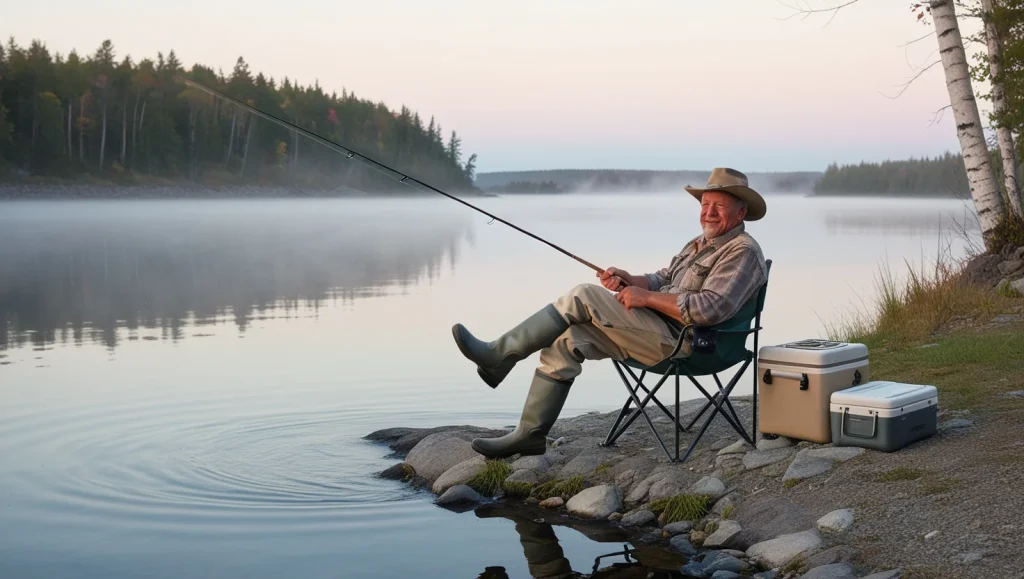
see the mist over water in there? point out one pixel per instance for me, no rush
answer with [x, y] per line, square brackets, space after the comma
[186, 383]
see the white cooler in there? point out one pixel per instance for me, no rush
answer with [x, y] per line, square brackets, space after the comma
[884, 415]
[796, 383]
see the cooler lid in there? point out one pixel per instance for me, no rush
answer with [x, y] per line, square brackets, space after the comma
[883, 394]
[813, 352]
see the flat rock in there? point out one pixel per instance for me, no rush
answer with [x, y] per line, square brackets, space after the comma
[585, 462]
[772, 444]
[403, 440]
[892, 574]
[595, 502]
[397, 472]
[722, 536]
[437, 453]
[1014, 394]
[522, 476]
[666, 478]
[682, 544]
[760, 458]
[781, 550]
[836, 453]
[639, 518]
[837, 554]
[805, 467]
[677, 527]
[739, 447]
[459, 474]
[834, 571]
[969, 558]
[725, 575]
[836, 522]
[710, 486]
[459, 494]
[956, 423]
[538, 463]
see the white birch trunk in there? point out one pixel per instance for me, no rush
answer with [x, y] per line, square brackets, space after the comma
[1003, 133]
[987, 200]
[71, 112]
[135, 123]
[81, 135]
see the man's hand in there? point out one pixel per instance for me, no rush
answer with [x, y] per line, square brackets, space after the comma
[612, 278]
[633, 297]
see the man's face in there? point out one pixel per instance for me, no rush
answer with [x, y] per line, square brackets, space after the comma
[719, 212]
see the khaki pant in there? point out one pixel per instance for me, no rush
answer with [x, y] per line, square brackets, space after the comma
[600, 327]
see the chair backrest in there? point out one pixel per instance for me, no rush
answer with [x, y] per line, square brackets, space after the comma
[731, 345]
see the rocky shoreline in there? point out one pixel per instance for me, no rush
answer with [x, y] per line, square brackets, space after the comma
[727, 510]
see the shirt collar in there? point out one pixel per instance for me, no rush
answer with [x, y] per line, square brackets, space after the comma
[721, 239]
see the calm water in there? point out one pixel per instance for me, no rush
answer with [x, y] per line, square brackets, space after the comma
[185, 384]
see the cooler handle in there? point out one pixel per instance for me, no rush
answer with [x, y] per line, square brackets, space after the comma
[842, 426]
[768, 375]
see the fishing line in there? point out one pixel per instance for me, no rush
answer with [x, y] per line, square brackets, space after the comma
[378, 166]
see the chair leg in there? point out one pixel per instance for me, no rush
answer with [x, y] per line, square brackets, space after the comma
[650, 393]
[640, 408]
[636, 413]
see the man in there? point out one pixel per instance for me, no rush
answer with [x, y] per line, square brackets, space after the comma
[705, 284]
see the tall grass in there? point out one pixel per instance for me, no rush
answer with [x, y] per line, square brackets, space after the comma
[911, 309]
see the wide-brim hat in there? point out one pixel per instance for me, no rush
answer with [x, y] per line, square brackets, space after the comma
[734, 183]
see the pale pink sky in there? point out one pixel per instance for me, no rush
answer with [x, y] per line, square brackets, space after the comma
[670, 84]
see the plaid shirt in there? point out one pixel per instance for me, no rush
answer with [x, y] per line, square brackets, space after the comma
[714, 282]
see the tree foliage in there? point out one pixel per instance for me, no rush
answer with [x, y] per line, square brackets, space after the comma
[942, 176]
[73, 116]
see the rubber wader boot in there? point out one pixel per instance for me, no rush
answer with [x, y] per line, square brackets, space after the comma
[543, 404]
[496, 359]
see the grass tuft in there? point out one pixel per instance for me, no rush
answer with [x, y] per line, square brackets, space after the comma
[909, 310]
[603, 468]
[489, 481]
[899, 473]
[517, 489]
[558, 488]
[727, 511]
[684, 507]
[1005, 290]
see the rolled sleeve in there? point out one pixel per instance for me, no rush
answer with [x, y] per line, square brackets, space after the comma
[733, 280]
[655, 281]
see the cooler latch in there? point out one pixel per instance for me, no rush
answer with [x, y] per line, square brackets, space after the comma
[856, 377]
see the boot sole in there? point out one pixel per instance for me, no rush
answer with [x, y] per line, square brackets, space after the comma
[524, 452]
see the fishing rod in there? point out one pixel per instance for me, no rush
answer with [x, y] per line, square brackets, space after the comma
[381, 167]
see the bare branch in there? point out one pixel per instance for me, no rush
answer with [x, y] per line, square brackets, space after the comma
[937, 115]
[806, 12]
[927, 35]
[907, 84]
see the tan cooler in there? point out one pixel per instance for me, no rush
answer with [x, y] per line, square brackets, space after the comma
[797, 381]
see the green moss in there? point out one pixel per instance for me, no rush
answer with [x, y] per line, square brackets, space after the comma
[727, 511]
[489, 480]
[798, 565]
[792, 483]
[684, 507]
[1006, 290]
[940, 486]
[558, 488]
[899, 473]
[603, 468]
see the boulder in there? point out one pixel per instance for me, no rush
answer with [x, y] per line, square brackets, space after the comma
[709, 485]
[1018, 285]
[739, 447]
[837, 554]
[552, 503]
[595, 502]
[1010, 267]
[682, 544]
[677, 527]
[459, 474]
[522, 476]
[639, 518]
[772, 444]
[459, 494]
[437, 453]
[538, 463]
[781, 550]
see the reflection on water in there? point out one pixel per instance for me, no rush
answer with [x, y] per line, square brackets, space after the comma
[898, 220]
[81, 271]
[546, 559]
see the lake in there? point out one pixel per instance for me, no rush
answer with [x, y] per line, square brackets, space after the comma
[186, 384]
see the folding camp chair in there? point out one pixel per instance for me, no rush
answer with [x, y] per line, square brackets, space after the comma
[728, 348]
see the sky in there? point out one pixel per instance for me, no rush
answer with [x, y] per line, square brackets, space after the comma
[649, 84]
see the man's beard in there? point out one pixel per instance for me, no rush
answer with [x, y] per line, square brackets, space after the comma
[709, 231]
